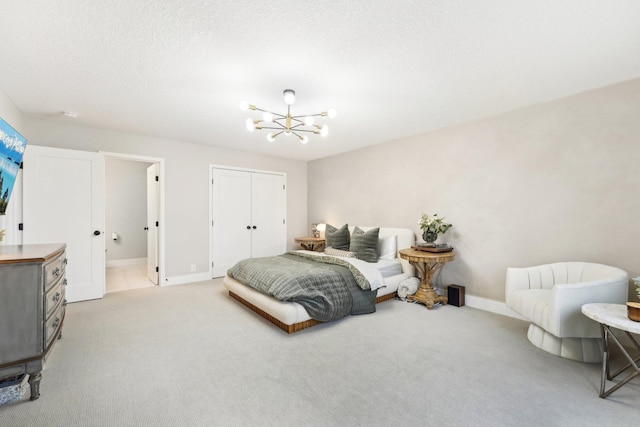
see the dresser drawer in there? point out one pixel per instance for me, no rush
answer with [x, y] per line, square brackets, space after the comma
[53, 297]
[54, 269]
[53, 325]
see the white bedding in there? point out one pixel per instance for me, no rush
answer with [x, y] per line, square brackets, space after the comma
[389, 268]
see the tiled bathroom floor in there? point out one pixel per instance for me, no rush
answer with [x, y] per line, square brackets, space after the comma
[123, 278]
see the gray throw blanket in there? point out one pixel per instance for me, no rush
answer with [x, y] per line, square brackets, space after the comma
[326, 290]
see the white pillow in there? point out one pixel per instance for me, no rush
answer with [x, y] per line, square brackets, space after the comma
[387, 247]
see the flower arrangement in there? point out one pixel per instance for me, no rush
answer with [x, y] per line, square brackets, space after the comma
[433, 224]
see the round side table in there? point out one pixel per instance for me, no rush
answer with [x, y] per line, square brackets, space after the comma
[427, 264]
[614, 316]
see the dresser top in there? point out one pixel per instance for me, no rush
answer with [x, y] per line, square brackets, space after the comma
[29, 253]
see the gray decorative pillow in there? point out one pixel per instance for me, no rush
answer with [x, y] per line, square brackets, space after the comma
[337, 238]
[365, 244]
[337, 252]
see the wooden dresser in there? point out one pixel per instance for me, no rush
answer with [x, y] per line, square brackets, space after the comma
[32, 308]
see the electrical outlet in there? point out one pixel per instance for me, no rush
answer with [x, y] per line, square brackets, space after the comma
[193, 268]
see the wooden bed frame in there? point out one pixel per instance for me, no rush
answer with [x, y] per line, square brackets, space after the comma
[296, 326]
[404, 239]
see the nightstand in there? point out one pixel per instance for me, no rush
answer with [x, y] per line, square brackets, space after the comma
[311, 243]
[427, 263]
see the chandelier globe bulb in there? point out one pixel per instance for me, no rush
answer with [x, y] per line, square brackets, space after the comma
[324, 130]
[289, 96]
[244, 105]
[271, 137]
[331, 113]
[308, 121]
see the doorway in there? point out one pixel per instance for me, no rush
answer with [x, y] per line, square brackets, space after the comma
[134, 199]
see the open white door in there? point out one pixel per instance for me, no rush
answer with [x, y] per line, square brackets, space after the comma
[152, 222]
[63, 202]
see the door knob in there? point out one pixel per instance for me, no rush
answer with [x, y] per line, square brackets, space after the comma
[254, 227]
[97, 233]
[248, 227]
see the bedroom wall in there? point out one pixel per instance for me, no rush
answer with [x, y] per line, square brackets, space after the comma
[187, 183]
[552, 182]
[10, 113]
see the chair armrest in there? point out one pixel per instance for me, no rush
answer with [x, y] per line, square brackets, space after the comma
[567, 301]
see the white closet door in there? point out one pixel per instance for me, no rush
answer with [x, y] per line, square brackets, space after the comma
[63, 202]
[268, 205]
[231, 214]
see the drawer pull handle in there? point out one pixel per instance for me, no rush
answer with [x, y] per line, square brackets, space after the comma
[64, 302]
[55, 323]
[56, 271]
[56, 297]
[66, 261]
[65, 282]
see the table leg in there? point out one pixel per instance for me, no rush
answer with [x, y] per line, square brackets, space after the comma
[608, 334]
[426, 294]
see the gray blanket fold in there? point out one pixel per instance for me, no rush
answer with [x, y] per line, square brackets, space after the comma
[327, 291]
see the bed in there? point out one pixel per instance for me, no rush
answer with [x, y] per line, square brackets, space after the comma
[292, 317]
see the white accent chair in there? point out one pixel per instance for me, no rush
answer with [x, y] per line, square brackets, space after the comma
[551, 296]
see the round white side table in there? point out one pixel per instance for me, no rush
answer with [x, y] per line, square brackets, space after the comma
[614, 316]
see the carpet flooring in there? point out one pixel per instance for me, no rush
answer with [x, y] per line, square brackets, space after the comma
[189, 355]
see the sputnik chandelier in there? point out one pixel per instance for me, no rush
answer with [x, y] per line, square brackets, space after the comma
[287, 124]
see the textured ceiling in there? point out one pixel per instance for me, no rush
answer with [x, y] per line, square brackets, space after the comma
[178, 69]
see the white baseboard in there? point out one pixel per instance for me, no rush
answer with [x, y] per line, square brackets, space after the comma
[470, 300]
[125, 262]
[187, 278]
[491, 305]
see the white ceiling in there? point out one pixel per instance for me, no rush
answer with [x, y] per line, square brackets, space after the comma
[178, 69]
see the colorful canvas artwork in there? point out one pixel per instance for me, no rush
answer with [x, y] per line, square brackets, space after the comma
[12, 146]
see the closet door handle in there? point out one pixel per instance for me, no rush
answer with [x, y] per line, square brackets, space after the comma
[254, 227]
[248, 227]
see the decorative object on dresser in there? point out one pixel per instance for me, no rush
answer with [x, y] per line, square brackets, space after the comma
[32, 308]
[12, 146]
[431, 226]
[427, 264]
